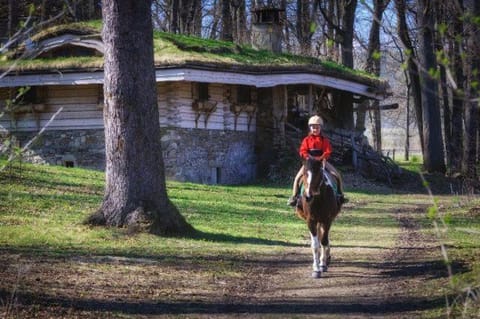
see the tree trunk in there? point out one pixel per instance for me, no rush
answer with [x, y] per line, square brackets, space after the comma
[189, 13]
[447, 117]
[303, 27]
[216, 7]
[413, 72]
[344, 102]
[348, 21]
[174, 21]
[239, 22]
[407, 126]
[458, 95]
[433, 155]
[373, 66]
[227, 30]
[441, 45]
[135, 190]
[13, 17]
[469, 166]
[332, 44]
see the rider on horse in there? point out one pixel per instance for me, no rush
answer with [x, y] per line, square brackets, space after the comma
[320, 144]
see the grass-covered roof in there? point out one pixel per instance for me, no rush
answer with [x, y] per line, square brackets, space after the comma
[172, 50]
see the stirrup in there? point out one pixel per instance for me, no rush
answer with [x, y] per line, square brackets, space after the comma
[292, 201]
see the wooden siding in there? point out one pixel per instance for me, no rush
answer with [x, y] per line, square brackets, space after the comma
[81, 109]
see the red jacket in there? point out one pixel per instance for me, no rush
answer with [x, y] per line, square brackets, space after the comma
[315, 142]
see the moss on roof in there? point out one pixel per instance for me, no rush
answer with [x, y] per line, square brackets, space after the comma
[180, 50]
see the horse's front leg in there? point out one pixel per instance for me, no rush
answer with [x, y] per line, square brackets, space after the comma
[315, 245]
[324, 247]
[316, 252]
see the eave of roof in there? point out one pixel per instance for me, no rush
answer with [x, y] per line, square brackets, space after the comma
[199, 74]
[217, 62]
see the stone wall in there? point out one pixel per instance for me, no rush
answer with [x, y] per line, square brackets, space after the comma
[191, 155]
[209, 156]
[84, 148]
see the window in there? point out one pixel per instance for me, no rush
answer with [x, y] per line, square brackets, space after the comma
[244, 94]
[24, 95]
[301, 102]
[203, 91]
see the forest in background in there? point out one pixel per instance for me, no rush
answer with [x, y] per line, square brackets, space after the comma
[427, 50]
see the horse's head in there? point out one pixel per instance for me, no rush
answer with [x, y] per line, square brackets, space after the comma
[312, 177]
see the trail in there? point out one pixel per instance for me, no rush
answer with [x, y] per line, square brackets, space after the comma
[362, 282]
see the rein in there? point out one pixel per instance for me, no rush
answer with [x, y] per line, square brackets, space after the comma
[310, 190]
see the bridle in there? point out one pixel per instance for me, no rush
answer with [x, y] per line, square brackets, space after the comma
[313, 176]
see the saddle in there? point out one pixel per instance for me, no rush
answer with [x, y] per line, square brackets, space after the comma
[330, 180]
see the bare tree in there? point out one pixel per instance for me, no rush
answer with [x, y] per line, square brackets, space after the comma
[135, 191]
[433, 155]
[373, 66]
[412, 68]
[343, 27]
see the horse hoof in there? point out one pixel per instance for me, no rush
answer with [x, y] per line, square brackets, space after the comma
[323, 268]
[316, 274]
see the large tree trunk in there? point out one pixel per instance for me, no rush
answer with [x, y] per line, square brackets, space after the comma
[135, 193]
[433, 155]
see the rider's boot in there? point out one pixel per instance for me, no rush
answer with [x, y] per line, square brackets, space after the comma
[341, 199]
[292, 201]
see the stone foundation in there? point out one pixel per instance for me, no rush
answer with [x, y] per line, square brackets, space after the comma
[190, 155]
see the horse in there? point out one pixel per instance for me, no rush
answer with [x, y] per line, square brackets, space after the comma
[318, 206]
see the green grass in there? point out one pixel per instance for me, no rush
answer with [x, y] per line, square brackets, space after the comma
[42, 209]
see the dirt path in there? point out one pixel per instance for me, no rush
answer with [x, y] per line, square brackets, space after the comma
[362, 282]
[381, 287]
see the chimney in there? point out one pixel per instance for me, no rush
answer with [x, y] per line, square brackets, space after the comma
[267, 28]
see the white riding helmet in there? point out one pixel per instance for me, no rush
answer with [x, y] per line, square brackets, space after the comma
[315, 120]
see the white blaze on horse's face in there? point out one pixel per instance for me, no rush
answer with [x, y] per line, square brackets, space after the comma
[309, 181]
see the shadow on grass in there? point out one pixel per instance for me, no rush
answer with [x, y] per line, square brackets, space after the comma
[333, 305]
[225, 238]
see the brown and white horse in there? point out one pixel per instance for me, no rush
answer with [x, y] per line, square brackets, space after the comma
[318, 208]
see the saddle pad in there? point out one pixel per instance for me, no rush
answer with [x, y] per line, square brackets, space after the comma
[331, 180]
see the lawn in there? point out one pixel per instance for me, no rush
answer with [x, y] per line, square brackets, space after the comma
[42, 209]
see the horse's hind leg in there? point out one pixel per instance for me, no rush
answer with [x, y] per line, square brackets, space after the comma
[324, 247]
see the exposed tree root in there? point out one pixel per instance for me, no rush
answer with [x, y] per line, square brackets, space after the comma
[145, 218]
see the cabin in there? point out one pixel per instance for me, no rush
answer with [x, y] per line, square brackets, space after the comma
[225, 110]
